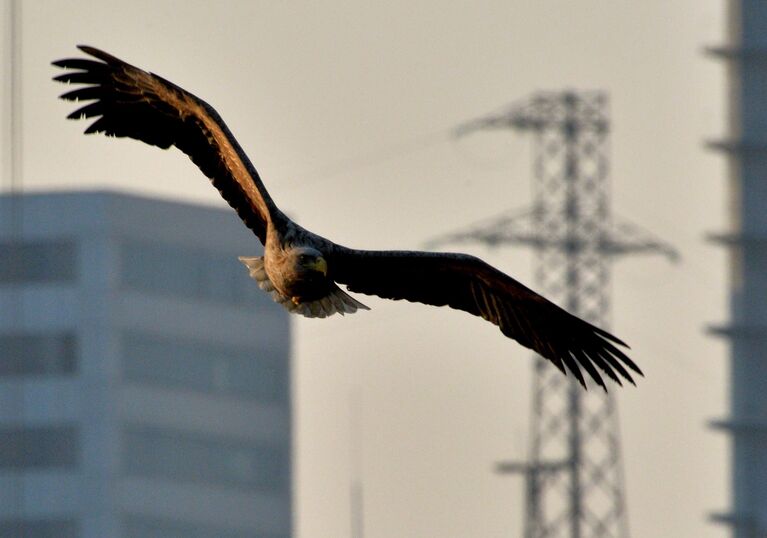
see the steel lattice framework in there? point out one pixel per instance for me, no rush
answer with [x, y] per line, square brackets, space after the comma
[574, 482]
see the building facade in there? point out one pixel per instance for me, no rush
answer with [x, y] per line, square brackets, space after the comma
[745, 57]
[144, 377]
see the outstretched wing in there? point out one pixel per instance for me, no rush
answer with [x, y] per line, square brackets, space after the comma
[467, 283]
[134, 103]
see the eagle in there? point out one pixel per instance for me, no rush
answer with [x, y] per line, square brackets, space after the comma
[302, 270]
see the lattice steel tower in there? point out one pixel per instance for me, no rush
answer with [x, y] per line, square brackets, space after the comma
[574, 483]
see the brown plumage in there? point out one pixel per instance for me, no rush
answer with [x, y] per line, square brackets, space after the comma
[300, 269]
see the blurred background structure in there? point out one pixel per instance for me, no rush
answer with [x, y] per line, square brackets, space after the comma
[144, 383]
[346, 108]
[746, 242]
[574, 475]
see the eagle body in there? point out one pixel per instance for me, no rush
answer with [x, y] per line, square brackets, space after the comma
[302, 270]
[294, 271]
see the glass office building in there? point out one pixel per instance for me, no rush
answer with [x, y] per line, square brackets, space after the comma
[144, 377]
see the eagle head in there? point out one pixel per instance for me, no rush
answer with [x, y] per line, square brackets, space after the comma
[308, 259]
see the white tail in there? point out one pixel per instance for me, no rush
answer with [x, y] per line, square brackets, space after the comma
[336, 302]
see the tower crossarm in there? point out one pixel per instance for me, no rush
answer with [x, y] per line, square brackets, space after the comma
[545, 110]
[519, 227]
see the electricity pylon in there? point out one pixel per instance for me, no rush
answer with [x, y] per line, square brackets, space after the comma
[573, 479]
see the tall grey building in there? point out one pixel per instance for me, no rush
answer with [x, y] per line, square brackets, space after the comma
[144, 378]
[745, 54]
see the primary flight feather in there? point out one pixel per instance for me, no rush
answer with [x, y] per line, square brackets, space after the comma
[301, 270]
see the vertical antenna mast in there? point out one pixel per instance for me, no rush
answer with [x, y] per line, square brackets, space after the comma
[357, 507]
[15, 220]
[14, 122]
[573, 479]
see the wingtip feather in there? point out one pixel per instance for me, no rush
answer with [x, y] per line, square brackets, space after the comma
[100, 54]
[610, 337]
[582, 359]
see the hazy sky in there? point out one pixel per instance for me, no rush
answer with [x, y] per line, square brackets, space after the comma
[345, 108]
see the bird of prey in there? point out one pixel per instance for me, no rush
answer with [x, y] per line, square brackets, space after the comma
[302, 270]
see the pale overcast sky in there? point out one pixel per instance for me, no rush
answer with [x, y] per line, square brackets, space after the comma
[345, 108]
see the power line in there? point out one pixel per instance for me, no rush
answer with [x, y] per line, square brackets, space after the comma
[375, 158]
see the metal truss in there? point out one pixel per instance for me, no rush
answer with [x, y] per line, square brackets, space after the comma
[573, 479]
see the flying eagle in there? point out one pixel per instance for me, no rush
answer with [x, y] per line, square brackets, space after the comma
[301, 270]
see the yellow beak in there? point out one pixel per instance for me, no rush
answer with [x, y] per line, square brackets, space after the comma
[321, 265]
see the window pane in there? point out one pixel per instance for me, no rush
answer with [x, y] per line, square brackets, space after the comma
[213, 460]
[261, 374]
[188, 272]
[39, 261]
[41, 528]
[141, 527]
[37, 354]
[38, 447]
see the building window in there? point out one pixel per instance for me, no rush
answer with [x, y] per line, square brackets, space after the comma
[28, 354]
[38, 447]
[188, 272]
[143, 527]
[260, 374]
[186, 457]
[37, 262]
[39, 528]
